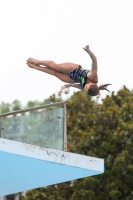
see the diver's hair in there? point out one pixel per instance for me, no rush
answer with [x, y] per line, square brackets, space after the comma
[94, 89]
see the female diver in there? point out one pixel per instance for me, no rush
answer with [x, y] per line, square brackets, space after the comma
[73, 74]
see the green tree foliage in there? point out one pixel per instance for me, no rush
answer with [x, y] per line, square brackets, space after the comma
[7, 107]
[101, 130]
[16, 105]
[4, 107]
[52, 99]
[33, 104]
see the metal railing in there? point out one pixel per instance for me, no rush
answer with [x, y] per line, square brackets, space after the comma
[42, 125]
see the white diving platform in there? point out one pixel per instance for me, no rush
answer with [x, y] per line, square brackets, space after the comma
[25, 166]
[33, 150]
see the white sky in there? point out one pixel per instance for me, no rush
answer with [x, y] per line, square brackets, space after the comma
[57, 30]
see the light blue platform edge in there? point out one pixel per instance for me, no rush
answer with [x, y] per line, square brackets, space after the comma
[25, 167]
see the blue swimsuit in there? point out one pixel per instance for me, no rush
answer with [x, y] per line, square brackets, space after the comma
[79, 76]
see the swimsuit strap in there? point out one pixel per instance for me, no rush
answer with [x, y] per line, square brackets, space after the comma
[91, 80]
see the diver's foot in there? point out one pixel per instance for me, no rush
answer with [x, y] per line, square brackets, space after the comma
[32, 61]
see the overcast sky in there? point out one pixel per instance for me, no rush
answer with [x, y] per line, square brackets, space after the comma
[57, 30]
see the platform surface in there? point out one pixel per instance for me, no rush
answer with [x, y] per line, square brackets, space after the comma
[24, 166]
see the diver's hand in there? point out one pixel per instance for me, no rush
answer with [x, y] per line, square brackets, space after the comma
[86, 48]
[66, 86]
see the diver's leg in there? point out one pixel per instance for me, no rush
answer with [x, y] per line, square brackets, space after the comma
[63, 77]
[63, 67]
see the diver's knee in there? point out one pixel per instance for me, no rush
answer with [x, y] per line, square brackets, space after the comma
[53, 65]
[55, 73]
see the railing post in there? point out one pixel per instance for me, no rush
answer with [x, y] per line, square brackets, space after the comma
[1, 128]
[65, 129]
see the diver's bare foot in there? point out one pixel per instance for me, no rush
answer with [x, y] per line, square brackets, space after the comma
[32, 61]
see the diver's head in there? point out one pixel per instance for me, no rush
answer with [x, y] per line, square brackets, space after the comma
[93, 90]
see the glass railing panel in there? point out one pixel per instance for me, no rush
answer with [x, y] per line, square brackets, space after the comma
[42, 127]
